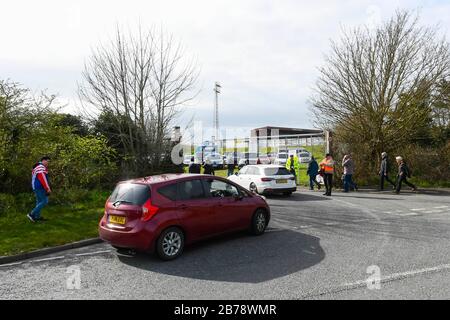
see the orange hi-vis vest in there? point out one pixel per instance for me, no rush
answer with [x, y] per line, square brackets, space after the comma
[327, 166]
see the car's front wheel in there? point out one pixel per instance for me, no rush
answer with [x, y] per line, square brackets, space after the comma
[259, 222]
[170, 244]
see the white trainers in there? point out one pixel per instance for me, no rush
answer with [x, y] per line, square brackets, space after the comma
[31, 218]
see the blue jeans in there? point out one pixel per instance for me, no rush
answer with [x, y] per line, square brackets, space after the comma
[41, 202]
[348, 182]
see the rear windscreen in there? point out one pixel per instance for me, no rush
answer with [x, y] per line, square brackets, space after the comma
[276, 172]
[130, 193]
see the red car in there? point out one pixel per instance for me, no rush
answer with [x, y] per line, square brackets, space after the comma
[163, 213]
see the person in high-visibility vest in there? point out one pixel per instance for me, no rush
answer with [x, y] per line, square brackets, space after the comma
[327, 169]
[293, 166]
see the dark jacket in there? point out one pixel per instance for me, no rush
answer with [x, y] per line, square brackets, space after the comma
[208, 169]
[313, 168]
[403, 170]
[194, 168]
[384, 168]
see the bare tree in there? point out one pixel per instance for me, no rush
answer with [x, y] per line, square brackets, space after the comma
[371, 79]
[141, 80]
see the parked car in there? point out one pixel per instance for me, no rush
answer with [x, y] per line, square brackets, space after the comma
[247, 158]
[266, 179]
[216, 160]
[264, 159]
[281, 158]
[164, 213]
[304, 157]
[187, 159]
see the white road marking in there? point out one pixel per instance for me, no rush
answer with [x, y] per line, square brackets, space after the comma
[422, 209]
[362, 220]
[442, 207]
[92, 253]
[409, 214]
[332, 223]
[401, 275]
[10, 264]
[49, 259]
[305, 227]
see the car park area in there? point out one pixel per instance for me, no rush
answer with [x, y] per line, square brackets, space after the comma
[314, 248]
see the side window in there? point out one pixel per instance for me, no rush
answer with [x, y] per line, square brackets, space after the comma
[190, 190]
[243, 170]
[253, 171]
[220, 189]
[170, 191]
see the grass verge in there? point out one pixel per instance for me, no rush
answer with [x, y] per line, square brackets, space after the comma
[68, 222]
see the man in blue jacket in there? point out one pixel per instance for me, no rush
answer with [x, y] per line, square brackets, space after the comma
[313, 171]
[41, 188]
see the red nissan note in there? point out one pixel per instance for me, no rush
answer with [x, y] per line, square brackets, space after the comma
[163, 213]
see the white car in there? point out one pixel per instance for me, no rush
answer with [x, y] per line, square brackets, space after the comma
[187, 159]
[216, 160]
[266, 179]
[281, 158]
[304, 157]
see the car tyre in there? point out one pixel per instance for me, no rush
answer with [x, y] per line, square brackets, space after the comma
[259, 222]
[170, 244]
[287, 194]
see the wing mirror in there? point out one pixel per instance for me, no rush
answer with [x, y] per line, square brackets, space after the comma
[238, 197]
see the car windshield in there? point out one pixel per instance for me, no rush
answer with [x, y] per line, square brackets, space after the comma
[131, 193]
[283, 156]
[277, 171]
[304, 155]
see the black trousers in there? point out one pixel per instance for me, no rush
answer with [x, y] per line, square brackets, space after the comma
[382, 178]
[328, 179]
[402, 179]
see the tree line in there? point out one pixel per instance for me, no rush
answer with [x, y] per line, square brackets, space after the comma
[387, 89]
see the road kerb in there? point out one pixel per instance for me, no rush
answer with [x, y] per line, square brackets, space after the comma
[45, 251]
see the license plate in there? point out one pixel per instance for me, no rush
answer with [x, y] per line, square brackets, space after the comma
[283, 181]
[117, 219]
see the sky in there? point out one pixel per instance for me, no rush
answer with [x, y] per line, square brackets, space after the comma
[264, 53]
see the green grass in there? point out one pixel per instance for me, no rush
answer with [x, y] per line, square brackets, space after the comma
[66, 223]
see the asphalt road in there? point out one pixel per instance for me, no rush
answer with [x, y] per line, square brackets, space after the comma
[316, 248]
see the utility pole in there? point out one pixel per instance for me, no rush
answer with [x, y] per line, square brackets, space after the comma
[217, 89]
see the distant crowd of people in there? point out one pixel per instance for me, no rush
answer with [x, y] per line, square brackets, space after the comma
[326, 170]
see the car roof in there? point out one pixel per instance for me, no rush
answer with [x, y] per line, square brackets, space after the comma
[160, 178]
[266, 166]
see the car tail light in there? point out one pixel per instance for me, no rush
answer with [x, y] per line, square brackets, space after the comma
[148, 211]
[266, 179]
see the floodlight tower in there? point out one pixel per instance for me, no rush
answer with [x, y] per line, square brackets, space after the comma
[217, 89]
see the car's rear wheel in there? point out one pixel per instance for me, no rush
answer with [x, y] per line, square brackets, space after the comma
[170, 244]
[259, 222]
[287, 194]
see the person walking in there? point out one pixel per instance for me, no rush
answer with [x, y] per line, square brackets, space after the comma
[312, 172]
[384, 172]
[194, 167]
[231, 164]
[208, 168]
[403, 174]
[293, 166]
[349, 169]
[327, 167]
[41, 188]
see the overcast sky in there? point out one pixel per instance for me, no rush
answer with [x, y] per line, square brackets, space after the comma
[264, 53]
